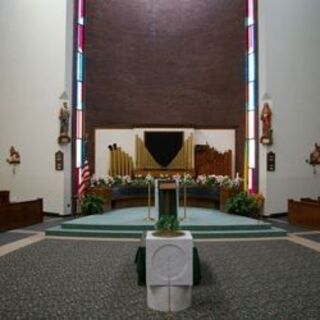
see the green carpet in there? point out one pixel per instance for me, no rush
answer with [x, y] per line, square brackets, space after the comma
[130, 223]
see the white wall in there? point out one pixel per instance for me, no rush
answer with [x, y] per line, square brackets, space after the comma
[34, 73]
[221, 140]
[289, 71]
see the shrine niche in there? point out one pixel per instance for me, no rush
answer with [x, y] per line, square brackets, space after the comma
[267, 132]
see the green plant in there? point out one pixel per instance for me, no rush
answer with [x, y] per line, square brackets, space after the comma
[167, 223]
[92, 204]
[102, 182]
[243, 204]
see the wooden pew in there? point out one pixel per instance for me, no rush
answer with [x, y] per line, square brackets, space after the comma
[4, 197]
[20, 214]
[304, 213]
[310, 200]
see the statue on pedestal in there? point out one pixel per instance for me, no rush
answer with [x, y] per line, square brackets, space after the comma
[14, 157]
[315, 155]
[265, 117]
[64, 117]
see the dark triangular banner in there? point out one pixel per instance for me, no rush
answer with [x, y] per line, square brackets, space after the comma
[163, 146]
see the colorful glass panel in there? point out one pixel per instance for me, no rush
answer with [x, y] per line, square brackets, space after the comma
[81, 11]
[251, 95]
[250, 12]
[79, 95]
[78, 153]
[251, 67]
[251, 42]
[80, 37]
[79, 67]
[250, 179]
[79, 124]
[251, 124]
[252, 153]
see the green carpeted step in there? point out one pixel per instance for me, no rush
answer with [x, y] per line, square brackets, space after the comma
[58, 231]
[272, 232]
[138, 227]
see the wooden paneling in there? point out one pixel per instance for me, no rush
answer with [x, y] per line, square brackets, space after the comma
[20, 214]
[166, 63]
[4, 197]
[210, 161]
[305, 213]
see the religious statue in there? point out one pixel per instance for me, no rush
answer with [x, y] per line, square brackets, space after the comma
[64, 117]
[315, 155]
[14, 157]
[265, 117]
[314, 158]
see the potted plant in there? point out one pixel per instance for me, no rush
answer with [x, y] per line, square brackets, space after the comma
[244, 204]
[92, 204]
[168, 226]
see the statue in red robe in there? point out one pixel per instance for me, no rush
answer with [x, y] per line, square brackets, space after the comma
[265, 117]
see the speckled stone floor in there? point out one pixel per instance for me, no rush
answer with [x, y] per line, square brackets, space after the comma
[74, 279]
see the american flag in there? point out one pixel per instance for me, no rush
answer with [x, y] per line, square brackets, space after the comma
[85, 179]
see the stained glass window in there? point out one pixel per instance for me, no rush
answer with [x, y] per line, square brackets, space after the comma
[251, 105]
[79, 74]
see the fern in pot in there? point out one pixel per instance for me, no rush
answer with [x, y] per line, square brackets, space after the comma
[92, 204]
[168, 226]
[243, 204]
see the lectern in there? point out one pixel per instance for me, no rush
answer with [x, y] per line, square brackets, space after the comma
[167, 197]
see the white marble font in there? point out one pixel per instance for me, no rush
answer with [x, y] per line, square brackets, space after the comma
[169, 271]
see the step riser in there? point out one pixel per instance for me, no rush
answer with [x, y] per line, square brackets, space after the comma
[93, 235]
[137, 235]
[146, 228]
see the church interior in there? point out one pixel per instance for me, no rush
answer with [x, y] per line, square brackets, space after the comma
[160, 159]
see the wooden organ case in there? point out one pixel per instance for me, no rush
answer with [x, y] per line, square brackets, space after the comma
[210, 161]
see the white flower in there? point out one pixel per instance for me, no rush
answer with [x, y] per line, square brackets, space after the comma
[176, 177]
[126, 179]
[149, 178]
[201, 179]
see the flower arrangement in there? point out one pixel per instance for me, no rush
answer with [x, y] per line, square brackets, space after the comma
[176, 177]
[185, 179]
[212, 180]
[97, 182]
[201, 179]
[149, 179]
[117, 181]
[219, 181]
[126, 179]
[109, 180]
[165, 177]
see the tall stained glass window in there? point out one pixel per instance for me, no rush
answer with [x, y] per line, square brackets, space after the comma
[79, 87]
[251, 105]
